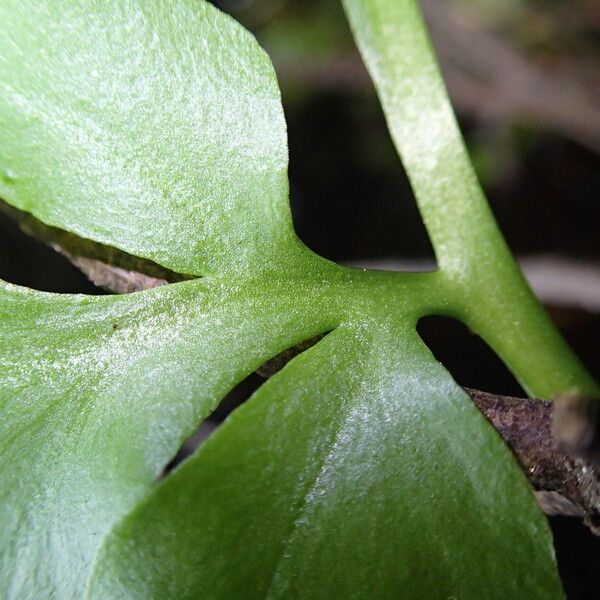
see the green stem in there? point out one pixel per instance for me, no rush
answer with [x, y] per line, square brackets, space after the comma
[486, 288]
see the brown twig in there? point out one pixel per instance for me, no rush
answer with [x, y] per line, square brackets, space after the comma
[111, 277]
[567, 484]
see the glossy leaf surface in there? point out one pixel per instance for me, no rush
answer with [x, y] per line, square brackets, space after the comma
[320, 487]
[98, 394]
[361, 470]
[155, 127]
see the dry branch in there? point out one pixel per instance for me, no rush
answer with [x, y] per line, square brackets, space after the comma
[566, 483]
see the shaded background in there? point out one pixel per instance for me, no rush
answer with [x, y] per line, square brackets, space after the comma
[524, 77]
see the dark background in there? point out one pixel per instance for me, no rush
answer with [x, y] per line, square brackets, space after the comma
[524, 79]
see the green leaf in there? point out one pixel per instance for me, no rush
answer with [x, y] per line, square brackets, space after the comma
[98, 394]
[361, 470]
[150, 126]
[353, 473]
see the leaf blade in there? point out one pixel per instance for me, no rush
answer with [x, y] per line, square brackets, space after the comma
[154, 128]
[324, 486]
[97, 395]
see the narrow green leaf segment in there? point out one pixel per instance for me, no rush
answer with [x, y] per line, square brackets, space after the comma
[484, 285]
[361, 470]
